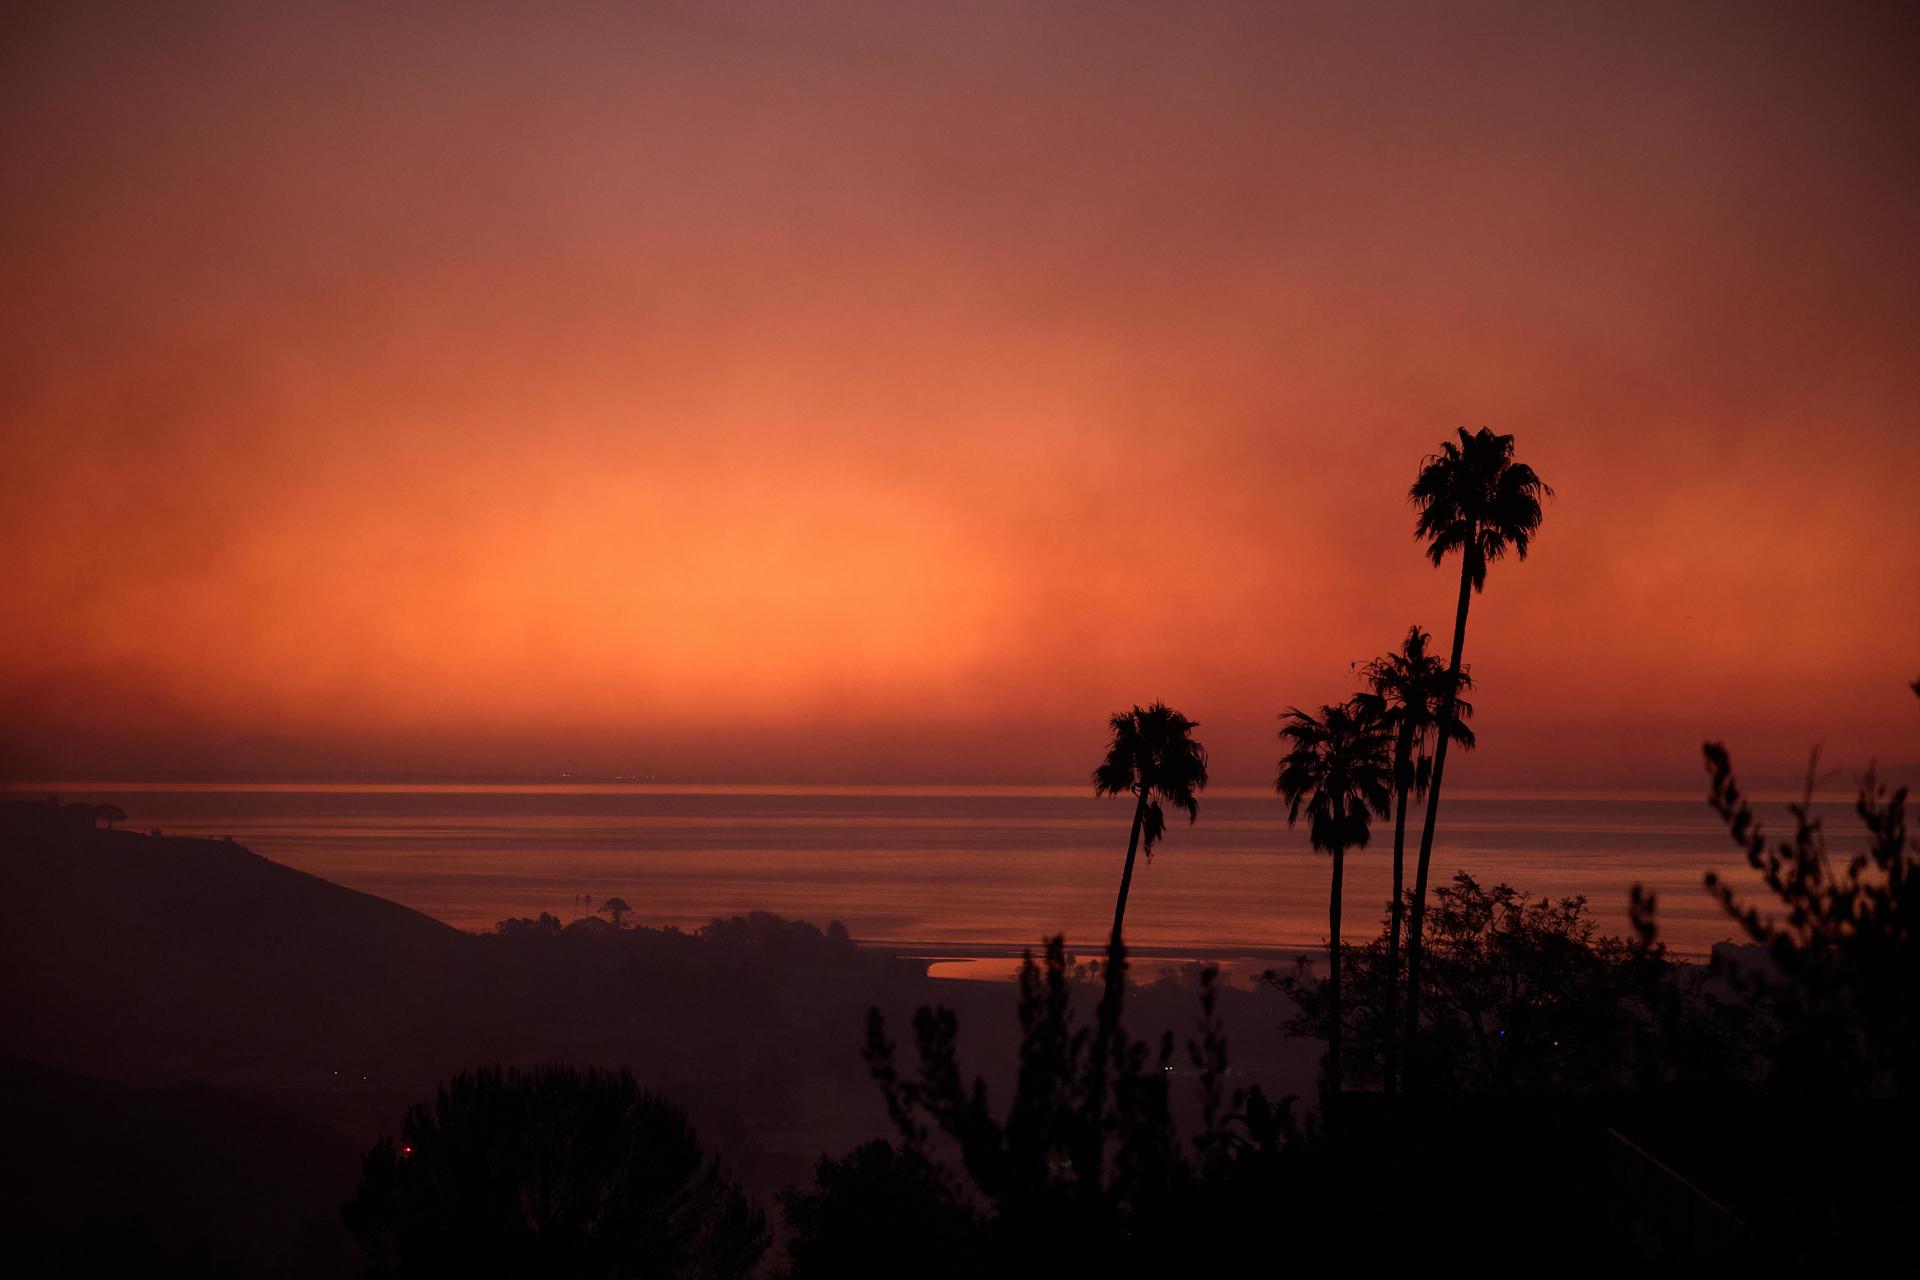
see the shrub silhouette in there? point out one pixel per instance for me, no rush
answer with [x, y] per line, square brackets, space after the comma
[883, 1211]
[1086, 1173]
[552, 1171]
[1842, 942]
[1524, 995]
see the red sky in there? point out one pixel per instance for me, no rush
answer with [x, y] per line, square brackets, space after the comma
[881, 392]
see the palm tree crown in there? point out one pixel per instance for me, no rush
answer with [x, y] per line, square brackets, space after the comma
[1409, 688]
[1153, 755]
[1474, 498]
[1339, 767]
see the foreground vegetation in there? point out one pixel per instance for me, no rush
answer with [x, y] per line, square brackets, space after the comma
[1589, 1086]
[1555, 1057]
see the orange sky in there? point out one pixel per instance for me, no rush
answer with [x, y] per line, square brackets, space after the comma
[888, 392]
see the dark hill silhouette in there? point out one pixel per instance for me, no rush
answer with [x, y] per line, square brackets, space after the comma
[103, 1179]
[151, 960]
[142, 956]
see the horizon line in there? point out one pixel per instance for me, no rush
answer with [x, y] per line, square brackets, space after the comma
[564, 784]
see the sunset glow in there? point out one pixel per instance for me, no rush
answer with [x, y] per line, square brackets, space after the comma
[749, 393]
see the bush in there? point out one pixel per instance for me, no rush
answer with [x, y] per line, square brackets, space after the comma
[1085, 1175]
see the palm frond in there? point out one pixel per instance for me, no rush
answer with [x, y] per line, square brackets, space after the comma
[1152, 826]
[1339, 770]
[1475, 499]
[1152, 753]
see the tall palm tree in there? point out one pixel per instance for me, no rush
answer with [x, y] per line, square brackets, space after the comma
[1408, 687]
[1475, 499]
[1153, 757]
[1340, 767]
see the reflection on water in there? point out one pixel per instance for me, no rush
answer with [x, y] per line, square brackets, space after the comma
[957, 875]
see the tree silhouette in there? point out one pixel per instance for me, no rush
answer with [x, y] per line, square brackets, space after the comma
[1409, 686]
[1525, 995]
[1475, 499]
[883, 1211]
[552, 1171]
[616, 910]
[1844, 948]
[110, 814]
[1340, 768]
[1086, 1174]
[1153, 757]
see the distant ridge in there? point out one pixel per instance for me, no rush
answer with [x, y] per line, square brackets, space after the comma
[201, 951]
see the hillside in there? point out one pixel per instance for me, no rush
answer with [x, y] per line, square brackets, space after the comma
[136, 956]
[159, 961]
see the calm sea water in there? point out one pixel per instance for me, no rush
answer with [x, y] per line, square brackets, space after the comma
[968, 872]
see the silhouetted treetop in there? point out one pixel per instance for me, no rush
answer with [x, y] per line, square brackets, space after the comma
[1475, 499]
[1407, 689]
[1524, 994]
[553, 1171]
[1152, 754]
[1339, 767]
[1843, 937]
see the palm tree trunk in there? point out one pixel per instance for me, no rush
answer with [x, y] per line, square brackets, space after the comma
[1403, 783]
[1089, 1152]
[1333, 972]
[1418, 922]
[1126, 876]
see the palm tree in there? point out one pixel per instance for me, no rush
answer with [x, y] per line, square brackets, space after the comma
[1475, 499]
[1153, 757]
[1408, 688]
[1340, 767]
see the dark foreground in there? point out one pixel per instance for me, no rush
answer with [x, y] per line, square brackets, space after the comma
[199, 1046]
[182, 1016]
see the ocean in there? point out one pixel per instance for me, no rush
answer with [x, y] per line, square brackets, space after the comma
[968, 876]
